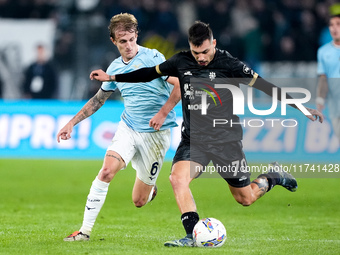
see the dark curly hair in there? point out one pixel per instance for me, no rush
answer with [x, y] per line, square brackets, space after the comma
[199, 32]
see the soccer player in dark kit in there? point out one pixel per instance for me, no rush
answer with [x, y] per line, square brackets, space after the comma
[203, 141]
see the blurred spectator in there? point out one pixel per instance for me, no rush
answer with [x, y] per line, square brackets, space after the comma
[40, 77]
[64, 58]
[281, 27]
[205, 10]
[6, 9]
[36, 9]
[234, 22]
[306, 38]
[10, 71]
[221, 23]
[291, 10]
[242, 18]
[164, 33]
[186, 15]
[247, 33]
[23, 9]
[42, 9]
[148, 11]
[322, 11]
[262, 12]
[165, 22]
[287, 49]
[121, 6]
[254, 30]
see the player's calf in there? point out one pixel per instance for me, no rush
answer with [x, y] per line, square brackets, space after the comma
[141, 201]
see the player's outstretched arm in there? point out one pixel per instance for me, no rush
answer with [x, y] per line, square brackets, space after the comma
[315, 115]
[157, 121]
[141, 75]
[88, 109]
[100, 75]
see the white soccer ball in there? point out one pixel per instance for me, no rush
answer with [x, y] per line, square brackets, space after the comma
[209, 232]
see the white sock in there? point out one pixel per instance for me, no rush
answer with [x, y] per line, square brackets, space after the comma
[94, 203]
[150, 195]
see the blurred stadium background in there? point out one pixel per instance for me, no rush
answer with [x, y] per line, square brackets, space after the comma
[279, 39]
[42, 199]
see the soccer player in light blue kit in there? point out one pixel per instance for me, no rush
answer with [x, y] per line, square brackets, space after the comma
[329, 73]
[138, 139]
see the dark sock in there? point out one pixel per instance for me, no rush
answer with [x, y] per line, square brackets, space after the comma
[273, 179]
[189, 220]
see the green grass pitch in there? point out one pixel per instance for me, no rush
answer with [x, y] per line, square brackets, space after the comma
[42, 201]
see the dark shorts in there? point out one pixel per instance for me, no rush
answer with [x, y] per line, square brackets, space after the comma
[228, 160]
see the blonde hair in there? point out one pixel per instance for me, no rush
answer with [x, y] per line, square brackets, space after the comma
[123, 22]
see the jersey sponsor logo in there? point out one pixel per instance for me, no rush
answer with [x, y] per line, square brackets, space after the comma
[188, 91]
[187, 73]
[196, 106]
[200, 92]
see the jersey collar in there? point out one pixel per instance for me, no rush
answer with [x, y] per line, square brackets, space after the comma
[128, 62]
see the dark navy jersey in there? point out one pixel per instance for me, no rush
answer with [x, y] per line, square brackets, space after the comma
[195, 81]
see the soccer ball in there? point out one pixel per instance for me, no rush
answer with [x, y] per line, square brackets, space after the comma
[209, 232]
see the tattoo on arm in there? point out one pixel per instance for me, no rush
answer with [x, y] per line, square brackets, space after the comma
[92, 105]
[113, 156]
[263, 185]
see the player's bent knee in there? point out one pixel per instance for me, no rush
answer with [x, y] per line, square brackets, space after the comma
[244, 201]
[177, 181]
[140, 202]
[106, 174]
[172, 180]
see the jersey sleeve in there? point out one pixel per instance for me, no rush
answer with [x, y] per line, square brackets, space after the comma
[158, 58]
[168, 67]
[320, 65]
[243, 72]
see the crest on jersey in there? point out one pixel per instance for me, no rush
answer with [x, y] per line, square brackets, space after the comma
[212, 75]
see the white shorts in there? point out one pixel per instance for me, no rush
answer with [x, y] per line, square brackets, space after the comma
[146, 151]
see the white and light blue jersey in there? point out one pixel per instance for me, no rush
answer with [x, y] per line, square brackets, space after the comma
[329, 65]
[144, 99]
